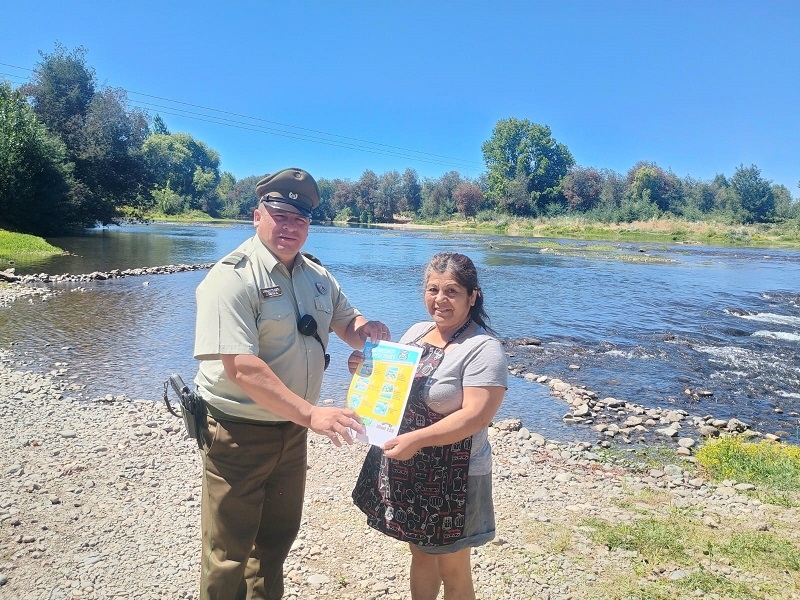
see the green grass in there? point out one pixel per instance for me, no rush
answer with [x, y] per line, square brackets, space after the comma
[721, 563]
[655, 540]
[191, 216]
[669, 231]
[751, 549]
[20, 248]
[770, 465]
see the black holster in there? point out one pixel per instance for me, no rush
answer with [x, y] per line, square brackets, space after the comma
[193, 408]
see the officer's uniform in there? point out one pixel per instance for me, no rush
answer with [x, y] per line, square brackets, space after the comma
[249, 304]
[254, 463]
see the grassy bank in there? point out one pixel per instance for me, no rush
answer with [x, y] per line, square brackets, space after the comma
[16, 247]
[762, 235]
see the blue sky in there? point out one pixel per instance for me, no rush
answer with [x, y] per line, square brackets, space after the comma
[339, 87]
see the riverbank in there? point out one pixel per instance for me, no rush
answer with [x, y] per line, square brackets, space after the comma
[100, 499]
[663, 231]
[16, 247]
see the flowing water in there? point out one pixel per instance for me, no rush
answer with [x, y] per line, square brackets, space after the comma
[643, 322]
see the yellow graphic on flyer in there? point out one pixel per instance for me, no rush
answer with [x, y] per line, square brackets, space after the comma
[380, 387]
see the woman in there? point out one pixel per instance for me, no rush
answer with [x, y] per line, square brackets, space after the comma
[432, 484]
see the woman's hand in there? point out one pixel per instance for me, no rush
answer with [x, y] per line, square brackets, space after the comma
[354, 361]
[401, 447]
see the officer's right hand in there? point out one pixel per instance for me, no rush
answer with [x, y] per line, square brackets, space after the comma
[335, 422]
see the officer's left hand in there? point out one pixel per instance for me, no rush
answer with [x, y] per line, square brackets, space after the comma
[375, 330]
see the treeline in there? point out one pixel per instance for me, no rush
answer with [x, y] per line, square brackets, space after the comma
[74, 155]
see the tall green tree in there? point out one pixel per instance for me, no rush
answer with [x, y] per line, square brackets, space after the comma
[159, 126]
[240, 201]
[343, 200]
[108, 158]
[37, 191]
[412, 192]
[101, 135]
[785, 206]
[186, 166]
[388, 195]
[647, 182]
[525, 166]
[365, 190]
[61, 90]
[754, 192]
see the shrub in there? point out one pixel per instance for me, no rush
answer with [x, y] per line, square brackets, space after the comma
[770, 464]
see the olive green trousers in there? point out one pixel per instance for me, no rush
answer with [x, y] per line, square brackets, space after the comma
[253, 484]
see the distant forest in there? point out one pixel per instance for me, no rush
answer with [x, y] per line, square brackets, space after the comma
[74, 154]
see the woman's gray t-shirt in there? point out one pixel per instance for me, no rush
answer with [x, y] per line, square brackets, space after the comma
[474, 360]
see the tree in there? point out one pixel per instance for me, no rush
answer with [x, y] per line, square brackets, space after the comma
[754, 193]
[468, 198]
[698, 199]
[437, 196]
[647, 182]
[525, 166]
[582, 188]
[785, 207]
[343, 200]
[108, 158]
[37, 190]
[186, 166]
[388, 194]
[101, 135]
[241, 199]
[365, 190]
[412, 192]
[159, 126]
[61, 90]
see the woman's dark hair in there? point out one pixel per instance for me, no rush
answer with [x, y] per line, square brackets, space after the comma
[464, 272]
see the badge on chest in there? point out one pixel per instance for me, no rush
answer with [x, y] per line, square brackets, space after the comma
[271, 292]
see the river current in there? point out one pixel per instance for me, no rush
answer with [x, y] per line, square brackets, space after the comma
[641, 322]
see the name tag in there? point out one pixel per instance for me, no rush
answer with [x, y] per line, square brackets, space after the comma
[271, 292]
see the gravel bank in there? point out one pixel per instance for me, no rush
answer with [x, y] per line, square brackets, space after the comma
[100, 500]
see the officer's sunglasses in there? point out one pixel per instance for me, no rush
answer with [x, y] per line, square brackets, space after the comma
[307, 325]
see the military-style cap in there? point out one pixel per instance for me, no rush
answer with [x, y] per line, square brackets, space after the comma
[292, 189]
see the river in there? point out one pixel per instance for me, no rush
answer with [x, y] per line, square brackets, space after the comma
[643, 322]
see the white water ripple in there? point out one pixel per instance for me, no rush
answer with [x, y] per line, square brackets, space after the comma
[778, 335]
[767, 318]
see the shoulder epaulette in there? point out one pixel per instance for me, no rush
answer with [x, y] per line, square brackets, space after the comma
[234, 258]
[311, 257]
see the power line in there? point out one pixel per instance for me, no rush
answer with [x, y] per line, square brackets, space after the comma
[251, 123]
[152, 108]
[334, 135]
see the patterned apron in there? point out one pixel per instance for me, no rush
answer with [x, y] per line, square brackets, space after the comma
[422, 500]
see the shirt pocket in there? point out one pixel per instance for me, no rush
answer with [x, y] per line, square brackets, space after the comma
[324, 304]
[277, 314]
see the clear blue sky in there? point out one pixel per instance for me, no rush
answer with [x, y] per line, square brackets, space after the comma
[696, 87]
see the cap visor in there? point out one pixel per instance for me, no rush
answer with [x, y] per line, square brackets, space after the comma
[288, 207]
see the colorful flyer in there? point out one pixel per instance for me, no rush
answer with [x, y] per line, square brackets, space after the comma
[380, 388]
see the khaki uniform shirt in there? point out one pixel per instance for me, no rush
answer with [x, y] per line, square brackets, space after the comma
[249, 303]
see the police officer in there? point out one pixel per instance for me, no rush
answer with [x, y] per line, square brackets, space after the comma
[261, 380]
